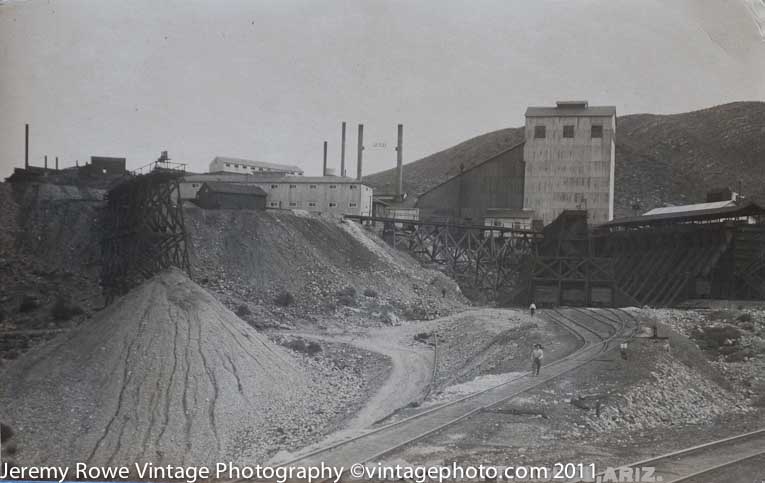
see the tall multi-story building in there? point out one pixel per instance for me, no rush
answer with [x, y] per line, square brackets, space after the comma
[223, 164]
[569, 156]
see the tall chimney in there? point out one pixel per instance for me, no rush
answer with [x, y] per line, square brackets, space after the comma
[342, 153]
[324, 168]
[361, 151]
[399, 163]
[46, 161]
[56, 163]
[26, 146]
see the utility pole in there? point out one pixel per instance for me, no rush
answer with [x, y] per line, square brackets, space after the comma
[400, 164]
[342, 152]
[324, 168]
[26, 146]
[361, 151]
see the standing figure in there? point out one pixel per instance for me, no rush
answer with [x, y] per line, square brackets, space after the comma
[532, 308]
[536, 358]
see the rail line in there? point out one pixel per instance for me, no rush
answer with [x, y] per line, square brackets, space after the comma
[378, 442]
[691, 464]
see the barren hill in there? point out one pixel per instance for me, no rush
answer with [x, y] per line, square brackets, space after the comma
[660, 159]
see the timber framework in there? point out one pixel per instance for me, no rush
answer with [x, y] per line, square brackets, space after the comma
[479, 257]
[144, 232]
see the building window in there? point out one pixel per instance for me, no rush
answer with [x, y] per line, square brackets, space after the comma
[293, 186]
[497, 223]
[597, 131]
[539, 132]
[332, 186]
[260, 169]
[353, 186]
[194, 185]
[568, 131]
[228, 165]
[312, 204]
[312, 186]
[274, 186]
[293, 204]
[332, 204]
[274, 204]
[352, 205]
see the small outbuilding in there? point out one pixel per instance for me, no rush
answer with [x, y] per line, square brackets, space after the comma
[235, 196]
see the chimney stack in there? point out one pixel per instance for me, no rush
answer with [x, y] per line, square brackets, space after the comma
[26, 146]
[361, 151]
[46, 161]
[342, 153]
[324, 168]
[400, 164]
[56, 163]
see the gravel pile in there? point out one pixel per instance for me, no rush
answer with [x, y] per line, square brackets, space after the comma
[168, 375]
[675, 395]
[333, 272]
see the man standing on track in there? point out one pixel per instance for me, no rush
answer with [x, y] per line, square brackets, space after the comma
[532, 308]
[536, 356]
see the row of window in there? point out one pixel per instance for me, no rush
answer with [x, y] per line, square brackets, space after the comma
[310, 204]
[313, 186]
[596, 131]
[253, 168]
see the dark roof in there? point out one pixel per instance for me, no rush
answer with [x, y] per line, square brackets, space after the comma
[747, 208]
[234, 188]
[573, 111]
[478, 165]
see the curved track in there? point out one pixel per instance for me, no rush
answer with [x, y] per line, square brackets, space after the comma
[597, 329]
[708, 462]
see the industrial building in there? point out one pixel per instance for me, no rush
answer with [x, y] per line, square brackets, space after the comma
[214, 195]
[222, 164]
[321, 194]
[496, 182]
[569, 155]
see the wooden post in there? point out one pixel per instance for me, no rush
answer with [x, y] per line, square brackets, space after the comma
[26, 146]
[342, 152]
[324, 168]
[361, 151]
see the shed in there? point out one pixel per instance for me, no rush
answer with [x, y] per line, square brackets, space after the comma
[236, 196]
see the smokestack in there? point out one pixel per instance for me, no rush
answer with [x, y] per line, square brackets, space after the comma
[361, 151]
[342, 153]
[324, 168]
[26, 146]
[399, 163]
[56, 163]
[46, 161]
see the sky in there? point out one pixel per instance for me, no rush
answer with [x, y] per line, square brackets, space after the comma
[272, 80]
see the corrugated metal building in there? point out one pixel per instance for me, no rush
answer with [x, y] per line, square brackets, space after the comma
[238, 196]
[569, 155]
[497, 182]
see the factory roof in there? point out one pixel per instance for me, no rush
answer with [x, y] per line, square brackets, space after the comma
[571, 108]
[235, 188]
[736, 210]
[263, 178]
[688, 208]
[257, 164]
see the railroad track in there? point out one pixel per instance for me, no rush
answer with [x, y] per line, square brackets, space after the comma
[703, 463]
[596, 332]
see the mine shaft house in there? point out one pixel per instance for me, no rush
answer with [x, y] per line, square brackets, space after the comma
[213, 195]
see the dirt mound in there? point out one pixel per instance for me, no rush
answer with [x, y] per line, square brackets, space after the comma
[330, 269]
[167, 375]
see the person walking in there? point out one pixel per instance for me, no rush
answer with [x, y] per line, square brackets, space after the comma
[536, 358]
[532, 308]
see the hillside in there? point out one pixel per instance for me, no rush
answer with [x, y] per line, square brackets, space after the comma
[660, 159]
